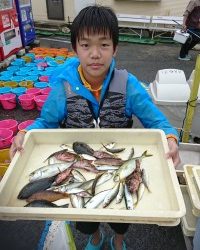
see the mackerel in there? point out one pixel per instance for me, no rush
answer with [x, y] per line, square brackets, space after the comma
[128, 198]
[96, 200]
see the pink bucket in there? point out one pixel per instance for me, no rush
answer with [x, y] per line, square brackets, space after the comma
[45, 91]
[27, 101]
[25, 124]
[5, 137]
[33, 91]
[10, 124]
[44, 79]
[8, 101]
[40, 100]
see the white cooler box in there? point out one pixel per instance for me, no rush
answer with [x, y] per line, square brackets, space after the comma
[170, 92]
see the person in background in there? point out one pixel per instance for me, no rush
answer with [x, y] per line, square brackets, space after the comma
[191, 24]
[88, 92]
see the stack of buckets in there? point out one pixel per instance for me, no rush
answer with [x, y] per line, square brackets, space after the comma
[8, 129]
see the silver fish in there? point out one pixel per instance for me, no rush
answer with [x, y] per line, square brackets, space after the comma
[96, 200]
[140, 191]
[65, 187]
[128, 198]
[111, 195]
[145, 179]
[120, 194]
[105, 168]
[76, 201]
[48, 171]
[128, 167]
[78, 176]
[113, 150]
[131, 154]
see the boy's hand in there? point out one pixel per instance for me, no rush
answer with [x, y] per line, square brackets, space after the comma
[17, 144]
[173, 151]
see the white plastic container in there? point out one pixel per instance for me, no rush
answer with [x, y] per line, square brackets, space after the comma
[192, 189]
[180, 36]
[172, 101]
[164, 205]
[189, 221]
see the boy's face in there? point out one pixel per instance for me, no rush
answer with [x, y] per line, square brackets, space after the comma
[95, 53]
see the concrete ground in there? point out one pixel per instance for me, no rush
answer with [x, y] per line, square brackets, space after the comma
[144, 61]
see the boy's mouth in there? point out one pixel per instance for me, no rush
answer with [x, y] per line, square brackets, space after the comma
[95, 65]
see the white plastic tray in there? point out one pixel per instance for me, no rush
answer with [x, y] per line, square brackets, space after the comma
[188, 222]
[196, 173]
[192, 189]
[163, 206]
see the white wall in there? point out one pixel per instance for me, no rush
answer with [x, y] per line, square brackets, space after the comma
[71, 7]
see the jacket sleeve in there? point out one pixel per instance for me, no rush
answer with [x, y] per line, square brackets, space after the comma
[140, 104]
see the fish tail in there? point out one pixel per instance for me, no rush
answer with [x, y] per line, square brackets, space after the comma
[145, 154]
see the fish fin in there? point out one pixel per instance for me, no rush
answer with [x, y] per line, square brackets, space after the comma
[145, 154]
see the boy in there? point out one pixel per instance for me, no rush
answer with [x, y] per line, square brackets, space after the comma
[89, 92]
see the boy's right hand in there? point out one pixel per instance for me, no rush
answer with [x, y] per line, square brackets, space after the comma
[17, 144]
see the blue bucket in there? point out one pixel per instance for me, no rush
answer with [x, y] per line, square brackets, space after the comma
[41, 85]
[5, 90]
[5, 78]
[13, 68]
[31, 78]
[6, 73]
[19, 91]
[17, 78]
[18, 62]
[31, 64]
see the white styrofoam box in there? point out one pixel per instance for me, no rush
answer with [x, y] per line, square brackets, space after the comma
[171, 92]
[181, 36]
[175, 110]
[171, 76]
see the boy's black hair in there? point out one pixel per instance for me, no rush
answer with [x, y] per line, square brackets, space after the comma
[95, 19]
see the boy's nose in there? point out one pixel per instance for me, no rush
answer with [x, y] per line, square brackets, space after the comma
[95, 53]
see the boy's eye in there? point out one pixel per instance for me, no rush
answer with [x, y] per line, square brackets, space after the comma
[84, 45]
[105, 44]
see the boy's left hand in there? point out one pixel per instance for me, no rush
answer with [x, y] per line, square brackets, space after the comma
[173, 151]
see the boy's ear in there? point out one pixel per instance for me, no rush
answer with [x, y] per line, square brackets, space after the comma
[115, 51]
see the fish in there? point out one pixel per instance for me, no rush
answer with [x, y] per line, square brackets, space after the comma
[102, 154]
[109, 161]
[106, 168]
[36, 186]
[111, 195]
[65, 187]
[128, 167]
[42, 203]
[86, 165]
[113, 150]
[94, 183]
[140, 192]
[82, 148]
[128, 198]
[96, 200]
[48, 171]
[120, 194]
[131, 153]
[145, 179]
[87, 157]
[63, 176]
[78, 176]
[63, 155]
[47, 195]
[76, 201]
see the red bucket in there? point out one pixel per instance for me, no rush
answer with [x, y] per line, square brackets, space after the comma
[27, 102]
[40, 100]
[8, 101]
[33, 91]
[5, 137]
[44, 79]
[25, 124]
[9, 124]
[45, 91]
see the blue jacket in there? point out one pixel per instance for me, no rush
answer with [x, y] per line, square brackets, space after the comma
[138, 102]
